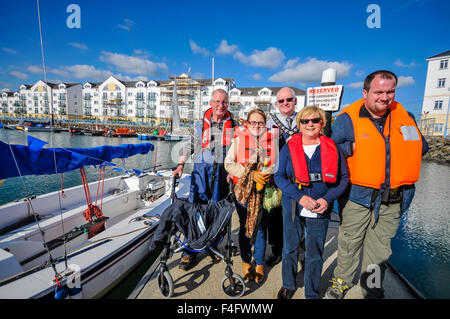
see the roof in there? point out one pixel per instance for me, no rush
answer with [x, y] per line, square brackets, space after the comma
[447, 53]
[254, 90]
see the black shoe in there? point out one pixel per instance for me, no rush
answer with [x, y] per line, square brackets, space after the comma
[273, 260]
[285, 293]
[186, 262]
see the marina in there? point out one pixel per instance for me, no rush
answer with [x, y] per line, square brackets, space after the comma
[93, 127]
[407, 246]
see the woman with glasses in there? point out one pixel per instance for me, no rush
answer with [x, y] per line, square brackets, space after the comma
[312, 173]
[250, 160]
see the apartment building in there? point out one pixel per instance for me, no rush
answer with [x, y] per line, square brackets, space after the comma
[436, 100]
[243, 100]
[147, 102]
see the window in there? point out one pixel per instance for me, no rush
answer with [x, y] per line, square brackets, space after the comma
[441, 83]
[444, 64]
[438, 127]
[438, 105]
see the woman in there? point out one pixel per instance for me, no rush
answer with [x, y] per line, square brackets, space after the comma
[250, 159]
[312, 173]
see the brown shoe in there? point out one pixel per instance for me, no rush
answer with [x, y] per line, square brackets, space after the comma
[247, 270]
[259, 276]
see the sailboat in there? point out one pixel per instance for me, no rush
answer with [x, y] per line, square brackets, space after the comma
[80, 242]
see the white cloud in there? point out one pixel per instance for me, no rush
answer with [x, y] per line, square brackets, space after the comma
[8, 50]
[357, 85]
[18, 75]
[34, 69]
[405, 81]
[82, 71]
[80, 46]
[310, 71]
[290, 63]
[269, 58]
[257, 77]
[399, 63]
[128, 24]
[133, 64]
[225, 48]
[196, 49]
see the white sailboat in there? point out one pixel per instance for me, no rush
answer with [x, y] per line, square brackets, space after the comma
[54, 246]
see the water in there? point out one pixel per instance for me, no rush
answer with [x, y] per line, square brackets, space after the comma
[421, 249]
[17, 188]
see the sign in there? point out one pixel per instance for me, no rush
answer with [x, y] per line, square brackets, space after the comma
[328, 98]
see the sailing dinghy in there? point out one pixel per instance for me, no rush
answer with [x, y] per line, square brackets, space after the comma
[81, 242]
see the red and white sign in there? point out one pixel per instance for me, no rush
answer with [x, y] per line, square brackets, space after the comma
[328, 98]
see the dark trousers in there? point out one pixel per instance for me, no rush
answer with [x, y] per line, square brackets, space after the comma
[275, 230]
[245, 242]
[315, 231]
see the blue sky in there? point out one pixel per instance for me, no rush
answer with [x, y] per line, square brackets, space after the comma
[258, 43]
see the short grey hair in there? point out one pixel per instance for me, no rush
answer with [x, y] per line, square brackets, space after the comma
[290, 89]
[217, 91]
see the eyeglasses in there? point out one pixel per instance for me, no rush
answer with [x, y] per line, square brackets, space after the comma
[219, 102]
[289, 99]
[254, 123]
[314, 120]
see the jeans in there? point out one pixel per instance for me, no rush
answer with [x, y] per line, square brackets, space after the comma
[261, 236]
[315, 234]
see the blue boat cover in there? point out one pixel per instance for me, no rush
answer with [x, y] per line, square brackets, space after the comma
[36, 160]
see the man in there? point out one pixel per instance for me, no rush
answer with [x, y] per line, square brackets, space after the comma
[383, 147]
[285, 122]
[209, 146]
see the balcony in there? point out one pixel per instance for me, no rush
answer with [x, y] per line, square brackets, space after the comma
[87, 97]
[263, 100]
[140, 97]
[62, 97]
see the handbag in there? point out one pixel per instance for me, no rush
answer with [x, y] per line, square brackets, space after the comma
[272, 198]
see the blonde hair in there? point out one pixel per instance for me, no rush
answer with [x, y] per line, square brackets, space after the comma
[308, 111]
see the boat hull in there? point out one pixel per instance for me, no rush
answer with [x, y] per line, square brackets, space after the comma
[99, 262]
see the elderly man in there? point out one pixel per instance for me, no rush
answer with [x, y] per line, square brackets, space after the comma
[383, 146]
[285, 122]
[209, 146]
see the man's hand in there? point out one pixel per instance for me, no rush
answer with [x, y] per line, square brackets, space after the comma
[178, 171]
[229, 178]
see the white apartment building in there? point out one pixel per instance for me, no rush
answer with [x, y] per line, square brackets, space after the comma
[243, 100]
[42, 99]
[148, 102]
[436, 100]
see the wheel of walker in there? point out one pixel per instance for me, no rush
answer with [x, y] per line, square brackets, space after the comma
[234, 286]
[165, 284]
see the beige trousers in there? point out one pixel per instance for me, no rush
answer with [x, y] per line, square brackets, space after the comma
[356, 235]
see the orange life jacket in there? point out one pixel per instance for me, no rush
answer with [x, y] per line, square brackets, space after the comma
[367, 165]
[247, 145]
[227, 132]
[328, 156]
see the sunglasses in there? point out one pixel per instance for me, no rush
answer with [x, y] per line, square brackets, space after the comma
[314, 120]
[289, 99]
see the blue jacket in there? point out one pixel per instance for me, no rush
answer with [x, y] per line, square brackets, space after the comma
[316, 190]
[343, 135]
